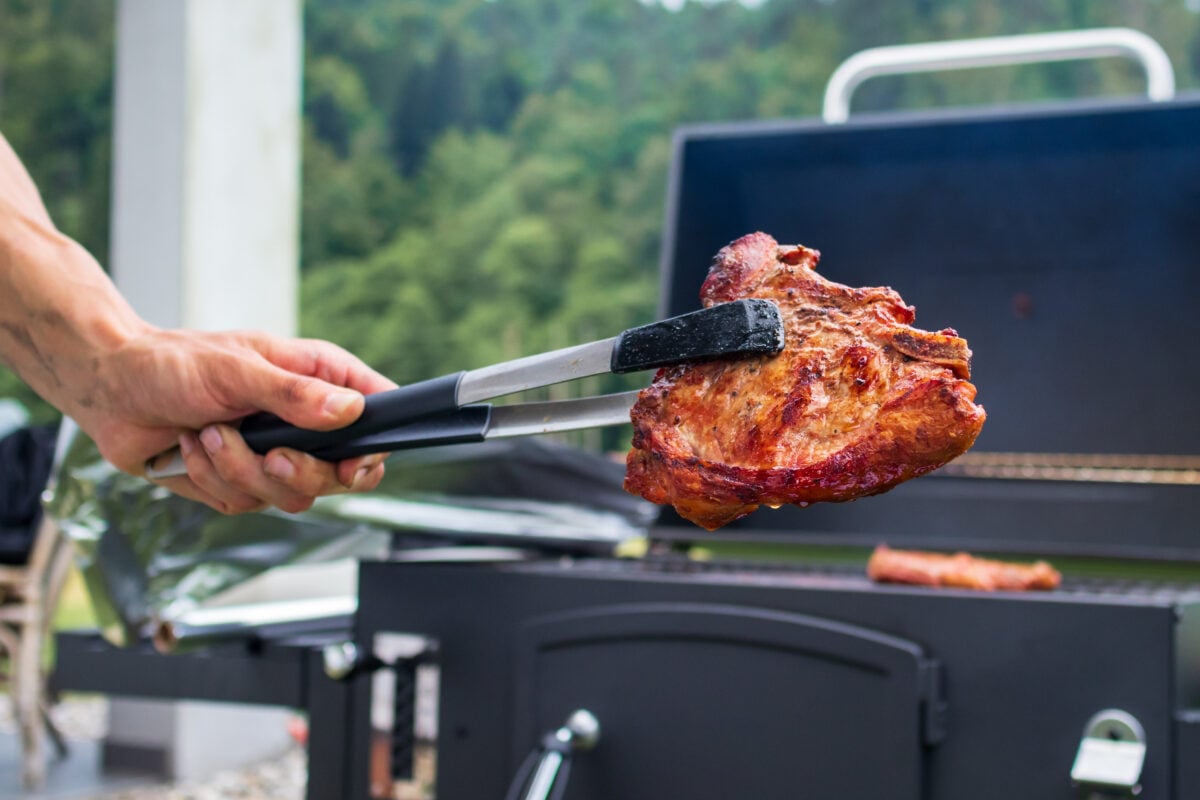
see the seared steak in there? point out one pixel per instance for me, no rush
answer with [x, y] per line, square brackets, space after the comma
[857, 402]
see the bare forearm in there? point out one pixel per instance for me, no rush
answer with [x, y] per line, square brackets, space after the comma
[59, 312]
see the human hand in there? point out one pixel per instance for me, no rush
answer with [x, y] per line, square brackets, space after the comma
[137, 390]
[164, 388]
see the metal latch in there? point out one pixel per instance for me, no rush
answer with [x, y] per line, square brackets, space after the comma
[1111, 755]
[404, 677]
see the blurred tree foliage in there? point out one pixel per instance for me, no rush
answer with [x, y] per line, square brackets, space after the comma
[486, 178]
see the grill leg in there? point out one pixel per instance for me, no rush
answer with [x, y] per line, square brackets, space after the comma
[329, 717]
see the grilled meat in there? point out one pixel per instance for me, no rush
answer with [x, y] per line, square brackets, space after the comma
[961, 570]
[857, 402]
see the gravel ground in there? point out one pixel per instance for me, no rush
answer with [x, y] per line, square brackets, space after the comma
[86, 718]
[279, 779]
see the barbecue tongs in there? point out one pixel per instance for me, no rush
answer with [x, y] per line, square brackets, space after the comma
[447, 410]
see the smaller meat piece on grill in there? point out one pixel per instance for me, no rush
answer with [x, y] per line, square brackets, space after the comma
[857, 402]
[960, 570]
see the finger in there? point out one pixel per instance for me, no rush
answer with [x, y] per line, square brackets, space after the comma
[308, 475]
[309, 383]
[241, 469]
[370, 480]
[324, 360]
[204, 473]
[301, 473]
[352, 471]
[183, 486]
[303, 401]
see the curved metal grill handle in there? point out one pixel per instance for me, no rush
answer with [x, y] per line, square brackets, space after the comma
[999, 51]
[579, 733]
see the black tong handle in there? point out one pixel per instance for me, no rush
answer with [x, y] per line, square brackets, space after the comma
[381, 412]
[462, 426]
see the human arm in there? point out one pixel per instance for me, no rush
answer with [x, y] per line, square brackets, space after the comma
[138, 390]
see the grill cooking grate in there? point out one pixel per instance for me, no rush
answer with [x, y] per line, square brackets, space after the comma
[1171, 470]
[1174, 591]
[853, 576]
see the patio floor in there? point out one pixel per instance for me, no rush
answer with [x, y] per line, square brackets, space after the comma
[78, 775]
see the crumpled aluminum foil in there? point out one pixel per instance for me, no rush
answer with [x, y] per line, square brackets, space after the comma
[148, 556]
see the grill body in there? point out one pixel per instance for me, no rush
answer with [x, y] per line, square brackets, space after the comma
[1061, 242]
[714, 683]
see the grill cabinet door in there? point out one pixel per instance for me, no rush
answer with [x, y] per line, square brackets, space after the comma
[710, 701]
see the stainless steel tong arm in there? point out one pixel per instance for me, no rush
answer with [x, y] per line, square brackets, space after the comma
[531, 372]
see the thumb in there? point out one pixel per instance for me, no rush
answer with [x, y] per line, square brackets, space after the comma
[304, 401]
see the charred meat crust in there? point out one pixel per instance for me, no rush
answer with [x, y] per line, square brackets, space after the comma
[936, 348]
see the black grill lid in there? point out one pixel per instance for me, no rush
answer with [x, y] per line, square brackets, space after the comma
[1063, 242]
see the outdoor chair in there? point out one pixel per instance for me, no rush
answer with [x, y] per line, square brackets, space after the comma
[28, 596]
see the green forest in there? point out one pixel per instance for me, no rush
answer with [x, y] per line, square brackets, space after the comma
[484, 179]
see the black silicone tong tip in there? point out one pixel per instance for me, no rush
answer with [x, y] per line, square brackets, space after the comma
[742, 327]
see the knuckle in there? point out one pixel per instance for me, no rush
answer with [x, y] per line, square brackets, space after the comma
[245, 505]
[317, 478]
[236, 472]
[296, 505]
[200, 470]
[294, 388]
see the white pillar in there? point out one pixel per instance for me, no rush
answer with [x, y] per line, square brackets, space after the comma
[206, 161]
[205, 234]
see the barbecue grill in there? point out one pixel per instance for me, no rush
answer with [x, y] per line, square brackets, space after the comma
[1061, 241]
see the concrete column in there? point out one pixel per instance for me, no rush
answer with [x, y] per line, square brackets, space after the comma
[206, 162]
[205, 234]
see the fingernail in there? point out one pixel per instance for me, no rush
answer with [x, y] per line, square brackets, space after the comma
[279, 467]
[186, 444]
[362, 473]
[337, 403]
[210, 437]
[355, 477]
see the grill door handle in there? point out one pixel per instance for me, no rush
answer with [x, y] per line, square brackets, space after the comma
[544, 774]
[995, 51]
